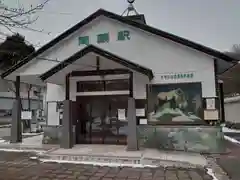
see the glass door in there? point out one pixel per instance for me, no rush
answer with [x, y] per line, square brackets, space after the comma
[115, 131]
[99, 119]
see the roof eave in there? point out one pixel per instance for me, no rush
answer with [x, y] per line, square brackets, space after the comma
[142, 26]
[100, 52]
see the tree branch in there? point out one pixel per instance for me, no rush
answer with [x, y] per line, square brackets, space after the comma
[11, 86]
[19, 17]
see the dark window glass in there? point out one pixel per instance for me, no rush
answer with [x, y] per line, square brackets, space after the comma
[109, 85]
[117, 85]
[89, 86]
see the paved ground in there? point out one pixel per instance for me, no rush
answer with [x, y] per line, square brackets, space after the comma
[7, 138]
[17, 166]
[230, 162]
[5, 134]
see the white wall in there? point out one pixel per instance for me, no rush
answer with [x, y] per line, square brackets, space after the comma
[232, 106]
[57, 93]
[52, 114]
[232, 112]
[156, 53]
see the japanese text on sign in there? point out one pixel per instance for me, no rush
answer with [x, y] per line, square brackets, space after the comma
[105, 38]
[177, 76]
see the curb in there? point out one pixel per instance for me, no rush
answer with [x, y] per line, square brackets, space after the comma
[114, 161]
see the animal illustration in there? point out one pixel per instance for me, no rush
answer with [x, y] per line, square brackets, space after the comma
[176, 98]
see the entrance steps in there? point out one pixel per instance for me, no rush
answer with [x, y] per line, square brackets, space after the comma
[118, 156]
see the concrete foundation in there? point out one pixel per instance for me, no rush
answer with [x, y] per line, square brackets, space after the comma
[204, 139]
[67, 129]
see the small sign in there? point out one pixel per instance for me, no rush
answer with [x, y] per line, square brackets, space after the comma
[83, 40]
[177, 76]
[211, 115]
[121, 114]
[143, 121]
[123, 35]
[140, 112]
[210, 103]
[105, 37]
[26, 115]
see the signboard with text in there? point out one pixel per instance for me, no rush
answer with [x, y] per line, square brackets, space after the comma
[176, 76]
[123, 35]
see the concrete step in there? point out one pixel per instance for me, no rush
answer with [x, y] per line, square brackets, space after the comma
[114, 160]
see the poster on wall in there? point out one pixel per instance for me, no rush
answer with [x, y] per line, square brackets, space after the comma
[210, 103]
[121, 114]
[176, 103]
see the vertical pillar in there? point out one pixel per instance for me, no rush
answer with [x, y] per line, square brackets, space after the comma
[67, 87]
[16, 128]
[67, 126]
[67, 130]
[132, 143]
[131, 84]
[221, 98]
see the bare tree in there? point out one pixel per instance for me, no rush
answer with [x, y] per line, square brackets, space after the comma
[11, 87]
[236, 49]
[19, 17]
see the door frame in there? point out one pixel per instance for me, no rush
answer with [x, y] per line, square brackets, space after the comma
[88, 137]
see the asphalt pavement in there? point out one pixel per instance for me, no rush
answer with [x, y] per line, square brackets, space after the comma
[230, 162]
[18, 166]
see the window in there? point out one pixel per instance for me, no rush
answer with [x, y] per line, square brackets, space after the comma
[90, 86]
[108, 85]
[117, 85]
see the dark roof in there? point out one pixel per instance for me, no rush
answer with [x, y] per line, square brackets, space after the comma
[128, 21]
[101, 52]
[138, 18]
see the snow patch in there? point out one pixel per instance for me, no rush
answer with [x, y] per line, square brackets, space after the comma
[5, 126]
[29, 134]
[231, 139]
[2, 140]
[34, 158]
[21, 150]
[210, 172]
[228, 130]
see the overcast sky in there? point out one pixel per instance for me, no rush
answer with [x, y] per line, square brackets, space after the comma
[213, 23]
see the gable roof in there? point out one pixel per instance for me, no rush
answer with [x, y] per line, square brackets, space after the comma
[101, 52]
[142, 26]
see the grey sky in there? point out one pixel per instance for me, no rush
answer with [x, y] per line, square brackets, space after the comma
[214, 23]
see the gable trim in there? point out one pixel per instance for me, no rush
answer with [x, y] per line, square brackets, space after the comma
[101, 52]
[124, 20]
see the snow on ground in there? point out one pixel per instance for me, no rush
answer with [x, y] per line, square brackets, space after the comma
[231, 139]
[210, 172]
[228, 130]
[35, 140]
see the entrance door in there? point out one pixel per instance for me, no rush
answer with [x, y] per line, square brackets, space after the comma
[98, 119]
